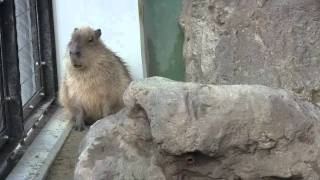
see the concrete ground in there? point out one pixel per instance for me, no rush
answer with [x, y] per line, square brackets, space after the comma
[64, 164]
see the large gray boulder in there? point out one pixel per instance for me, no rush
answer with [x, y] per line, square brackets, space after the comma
[173, 130]
[269, 42]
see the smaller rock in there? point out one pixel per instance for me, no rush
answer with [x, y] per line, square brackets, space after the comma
[118, 147]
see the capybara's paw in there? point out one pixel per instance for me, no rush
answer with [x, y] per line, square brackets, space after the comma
[80, 127]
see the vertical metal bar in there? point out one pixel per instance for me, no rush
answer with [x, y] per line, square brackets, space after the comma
[2, 98]
[13, 107]
[11, 85]
[47, 46]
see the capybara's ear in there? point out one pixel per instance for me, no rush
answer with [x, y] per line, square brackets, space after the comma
[97, 33]
[75, 29]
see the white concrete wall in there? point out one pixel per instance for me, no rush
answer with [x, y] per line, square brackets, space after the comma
[118, 20]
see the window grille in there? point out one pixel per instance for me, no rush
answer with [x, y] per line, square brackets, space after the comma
[28, 81]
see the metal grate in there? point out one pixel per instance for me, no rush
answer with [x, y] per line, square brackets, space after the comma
[26, 26]
[26, 84]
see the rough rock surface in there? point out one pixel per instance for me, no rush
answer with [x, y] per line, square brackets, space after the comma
[269, 42]
[187, 131]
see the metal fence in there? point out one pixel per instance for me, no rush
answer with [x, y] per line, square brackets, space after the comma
[27, 71]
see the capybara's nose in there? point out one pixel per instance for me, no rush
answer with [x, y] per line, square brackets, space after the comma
[75, 53]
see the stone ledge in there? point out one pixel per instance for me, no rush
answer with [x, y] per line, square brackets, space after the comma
[41, 153]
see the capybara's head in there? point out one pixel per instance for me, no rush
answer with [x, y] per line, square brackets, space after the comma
[83, 46]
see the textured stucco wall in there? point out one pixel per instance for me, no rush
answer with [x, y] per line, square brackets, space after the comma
[274, 43]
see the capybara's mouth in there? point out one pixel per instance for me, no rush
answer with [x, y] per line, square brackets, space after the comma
[77, 66]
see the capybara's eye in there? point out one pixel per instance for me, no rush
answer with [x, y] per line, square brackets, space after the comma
[90, 39]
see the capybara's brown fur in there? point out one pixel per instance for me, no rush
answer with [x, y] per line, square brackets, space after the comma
[95, 78]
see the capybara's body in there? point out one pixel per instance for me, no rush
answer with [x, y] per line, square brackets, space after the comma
[95, 79]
